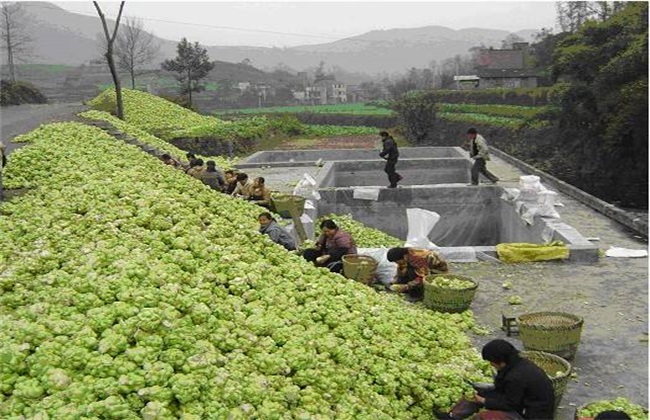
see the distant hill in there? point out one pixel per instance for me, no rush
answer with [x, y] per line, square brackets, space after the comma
[62, 37]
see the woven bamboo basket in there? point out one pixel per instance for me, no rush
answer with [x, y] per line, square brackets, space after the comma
[360, 268]
[444, 299]
[557, 369]
[577, 416]
[552, 332]
[283, 203]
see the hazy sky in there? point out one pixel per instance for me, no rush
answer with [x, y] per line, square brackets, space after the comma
[284, 24]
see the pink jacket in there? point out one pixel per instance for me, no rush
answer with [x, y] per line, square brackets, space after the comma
[341, 239]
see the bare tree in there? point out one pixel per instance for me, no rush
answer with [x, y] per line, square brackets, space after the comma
[110, 40]
[135, 47]
[15, 40]
[571, 15]
[603, 10]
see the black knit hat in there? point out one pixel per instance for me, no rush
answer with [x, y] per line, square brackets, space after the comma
[498, 351]
[396, 254]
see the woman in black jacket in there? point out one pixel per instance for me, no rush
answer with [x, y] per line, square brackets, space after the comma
[522, 390]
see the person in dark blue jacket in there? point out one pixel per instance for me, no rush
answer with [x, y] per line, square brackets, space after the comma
[522, 390]
[390, 153]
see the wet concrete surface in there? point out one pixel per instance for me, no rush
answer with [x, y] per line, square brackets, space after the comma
[611, 295]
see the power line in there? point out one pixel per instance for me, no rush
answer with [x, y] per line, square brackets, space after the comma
[231, 28]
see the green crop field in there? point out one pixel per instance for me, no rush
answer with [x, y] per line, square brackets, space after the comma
[350, 109]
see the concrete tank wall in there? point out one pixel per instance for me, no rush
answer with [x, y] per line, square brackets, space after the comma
[275, 156]
[413, 171]
[470, 216]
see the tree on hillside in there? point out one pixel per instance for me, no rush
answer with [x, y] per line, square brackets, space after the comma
[135, 48]
[319, 73]
[542, 48]
[16, 42]
[416, 111]
[604, 100]
[510, 41]
[191, 65]
[571, 15]
[110, 40]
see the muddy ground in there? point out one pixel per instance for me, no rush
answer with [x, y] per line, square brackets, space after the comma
[611, 295]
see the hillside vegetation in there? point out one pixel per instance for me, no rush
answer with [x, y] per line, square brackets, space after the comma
[170, 123]
[19, 92]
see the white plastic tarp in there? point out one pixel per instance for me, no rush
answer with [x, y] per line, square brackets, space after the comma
[420, 224]
[307, 188]
[386, 270]
[366, 194]
[626, 253]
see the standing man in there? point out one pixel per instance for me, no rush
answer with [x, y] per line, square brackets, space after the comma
[478, 150]
[390, 153]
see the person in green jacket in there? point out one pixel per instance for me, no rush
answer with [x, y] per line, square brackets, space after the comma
[478, 150]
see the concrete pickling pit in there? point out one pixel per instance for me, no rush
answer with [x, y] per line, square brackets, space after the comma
[293, 156]
[434, 179]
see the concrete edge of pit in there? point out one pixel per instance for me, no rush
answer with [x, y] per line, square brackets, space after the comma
[621, 216]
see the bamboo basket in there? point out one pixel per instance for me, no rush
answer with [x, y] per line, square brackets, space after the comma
[556, 368]
[552, 332]
[632, 416]
[283, 203]
[360, 268]
[444, 299]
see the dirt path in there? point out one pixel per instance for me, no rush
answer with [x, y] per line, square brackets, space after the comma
[15, 120]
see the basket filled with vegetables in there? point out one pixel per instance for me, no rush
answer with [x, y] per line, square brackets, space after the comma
[359, 267]
[552, 332]
[557, 369]
[592, 409]
[448, 292]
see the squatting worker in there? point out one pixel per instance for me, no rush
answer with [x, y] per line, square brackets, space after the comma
[243, 187]
[413, 265]
[269, 226]
[331, 246]
[391, 154]
[521, 390]
[231, 181]
[197, 169]
[478, 150]
[3, 163]
[191, 161]
[212, 176]
[168, 160]
[259, 194]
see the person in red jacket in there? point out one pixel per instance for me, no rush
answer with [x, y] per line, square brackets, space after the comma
[331, 246]
[522, 390]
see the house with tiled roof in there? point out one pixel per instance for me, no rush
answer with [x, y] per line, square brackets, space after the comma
[507, 68]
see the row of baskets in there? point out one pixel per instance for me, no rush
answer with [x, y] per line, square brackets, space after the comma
[550, 339]
[553, 332]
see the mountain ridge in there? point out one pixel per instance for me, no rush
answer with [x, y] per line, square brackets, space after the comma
[63, 37]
